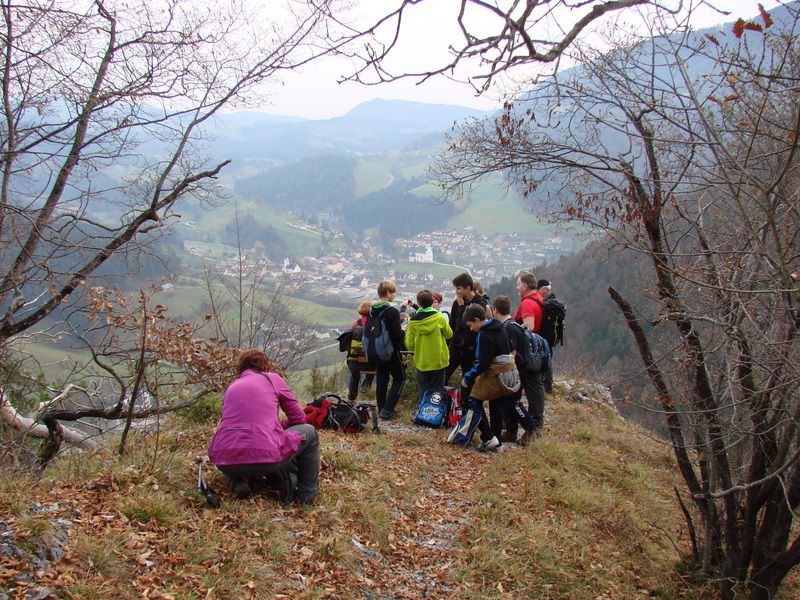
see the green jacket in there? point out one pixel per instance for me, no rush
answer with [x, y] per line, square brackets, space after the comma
[426, 336]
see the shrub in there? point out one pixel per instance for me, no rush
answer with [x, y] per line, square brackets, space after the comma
[206, 410]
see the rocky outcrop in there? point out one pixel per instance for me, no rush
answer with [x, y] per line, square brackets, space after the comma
[586, 393]
[37, 550]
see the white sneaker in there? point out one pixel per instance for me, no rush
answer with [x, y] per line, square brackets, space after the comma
[489, 444]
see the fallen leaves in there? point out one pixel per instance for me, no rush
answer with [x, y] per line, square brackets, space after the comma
[397, 519]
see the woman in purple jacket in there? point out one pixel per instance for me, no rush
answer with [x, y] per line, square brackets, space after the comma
[251, 441]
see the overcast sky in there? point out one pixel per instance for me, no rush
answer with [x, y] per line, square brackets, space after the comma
[315, 94]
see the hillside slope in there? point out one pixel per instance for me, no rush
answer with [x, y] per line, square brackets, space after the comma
[587, 511]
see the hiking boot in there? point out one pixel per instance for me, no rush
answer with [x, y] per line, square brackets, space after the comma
[241, 489]
[527, 436]
[489, 444]
[387, 415]
[509, 437]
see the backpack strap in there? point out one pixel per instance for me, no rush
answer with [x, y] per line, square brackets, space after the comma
[265, 376]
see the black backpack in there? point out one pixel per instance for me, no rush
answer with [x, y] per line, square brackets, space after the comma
[553, 315]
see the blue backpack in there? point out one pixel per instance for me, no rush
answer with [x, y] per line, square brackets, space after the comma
[433, 408]
[463, 431]
[377, 343]
[537, 355]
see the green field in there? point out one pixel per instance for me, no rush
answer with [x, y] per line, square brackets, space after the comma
[371, 175]
[412, 164]
[299, 242]
[494, 209]
[375, 173]
[323, 316]
[440, 271]
[54, 363]
[186, 302]
[427, 190]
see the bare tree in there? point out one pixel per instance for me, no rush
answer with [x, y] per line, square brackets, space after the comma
[103, 103]
[684, 149]
[248, 311]
[494, 37]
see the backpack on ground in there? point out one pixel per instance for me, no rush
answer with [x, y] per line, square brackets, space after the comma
[331, 411]
[536, 356]
[433, 409]
[553, 315]
[456, 410]
[377, 343]
[464, 430]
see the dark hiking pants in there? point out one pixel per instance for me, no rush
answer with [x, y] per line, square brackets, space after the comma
[306, 458]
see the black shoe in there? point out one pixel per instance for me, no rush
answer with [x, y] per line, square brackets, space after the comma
[241, 490]
[387, 415]
[508, 437]
[527, 436]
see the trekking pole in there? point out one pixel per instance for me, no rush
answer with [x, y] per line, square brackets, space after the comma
[212, 498]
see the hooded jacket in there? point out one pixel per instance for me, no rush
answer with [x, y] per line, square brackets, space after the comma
[492, 341]
[426, 336]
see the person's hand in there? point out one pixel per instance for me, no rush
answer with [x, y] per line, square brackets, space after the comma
[459, 300]
[464, 383]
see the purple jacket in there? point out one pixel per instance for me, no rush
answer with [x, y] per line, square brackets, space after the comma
[250, 431]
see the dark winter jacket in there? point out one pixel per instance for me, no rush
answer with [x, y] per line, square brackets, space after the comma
[391, 316]
[492, 341]
[463, 338]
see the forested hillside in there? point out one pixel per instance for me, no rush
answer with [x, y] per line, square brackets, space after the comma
[597, 342]
[313, 184]
[396, 211]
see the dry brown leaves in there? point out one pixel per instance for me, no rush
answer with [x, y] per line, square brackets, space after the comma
[331, 552]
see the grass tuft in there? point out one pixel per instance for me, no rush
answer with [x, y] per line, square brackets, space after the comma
[150, 507]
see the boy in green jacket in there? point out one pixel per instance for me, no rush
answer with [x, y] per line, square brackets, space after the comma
[426, 336]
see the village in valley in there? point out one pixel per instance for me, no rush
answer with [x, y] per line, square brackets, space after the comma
[426, 260]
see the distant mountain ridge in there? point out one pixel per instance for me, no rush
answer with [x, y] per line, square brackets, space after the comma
[377, 126]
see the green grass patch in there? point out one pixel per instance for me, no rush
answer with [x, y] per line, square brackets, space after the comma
[299, 242]
[493, 208]
[186, 300]
[371, 174]
[153, 507]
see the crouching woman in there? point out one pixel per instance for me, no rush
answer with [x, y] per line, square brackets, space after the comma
[251, 441]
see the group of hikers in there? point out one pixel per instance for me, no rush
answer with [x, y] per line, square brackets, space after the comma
[479, 337]
[496, 353]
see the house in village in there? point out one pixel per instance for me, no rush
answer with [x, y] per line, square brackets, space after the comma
[426, 256]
